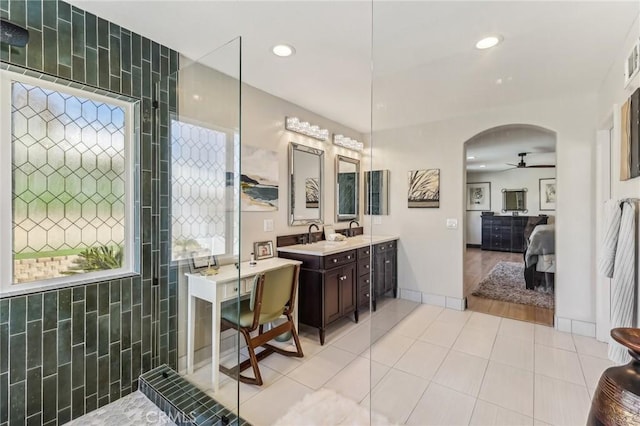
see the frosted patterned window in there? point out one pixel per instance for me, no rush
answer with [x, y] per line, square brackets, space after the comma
[70, 175]
[202, 210]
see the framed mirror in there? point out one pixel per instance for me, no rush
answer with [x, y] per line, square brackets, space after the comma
[347, 188]
[514, 200]
[376, 194]
[306, 184]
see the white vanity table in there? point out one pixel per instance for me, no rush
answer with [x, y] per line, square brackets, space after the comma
[226, 285]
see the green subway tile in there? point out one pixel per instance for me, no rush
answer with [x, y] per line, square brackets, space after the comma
[136, 50]
[114, 361]
[146, 334]
[103, 401]
[103, 376]
[103, 68]
[64, 386]
[114, 322]
[18, 12]
[50, 310]
[18, 55]
[126, 330]
[146, 298]
[4, 311]
[136, 291]
[91, 374]
[125, 52]
[115, 291]
[126, 294]
[114, 30]
[77, 366]
[125, 368]
[64, 415]
[18, 350]
[64, 71]
[4, 7]
[136, 81]
[91, 332]
[146, 267]
[49, 404]
[4, 398]
[34, 307]
[50, 50]
[114, 55]
[64, 42]
[136, 323]
[103, 298]
[146, 85]
[64, 304]
[136, 360]
[103, 33]
[146, 49]
[64, 342]
[77, 403]
[50, 349]
[17, 403]
[155, 57]
[4, 348]
[50, 14]
[17, 315]
[34, 50]
[78, 323]
[77, 30]
[90, 30]
[103, 335]
[146, 217]
[114, 391]
[34, 16]
[91, 302]
[125, 83]
[35, 420]
[78, 293]
[91, 403]
[34, 391]
[34, 344]
[114, 84]
[64, 11]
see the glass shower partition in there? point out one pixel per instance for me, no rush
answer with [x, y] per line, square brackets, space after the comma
[198, 225]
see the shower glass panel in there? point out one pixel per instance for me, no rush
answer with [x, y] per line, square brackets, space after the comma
[198, 119]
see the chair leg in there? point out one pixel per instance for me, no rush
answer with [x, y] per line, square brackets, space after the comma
[254, 362]
[296, 340]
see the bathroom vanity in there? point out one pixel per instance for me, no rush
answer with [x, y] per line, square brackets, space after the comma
[335, 277]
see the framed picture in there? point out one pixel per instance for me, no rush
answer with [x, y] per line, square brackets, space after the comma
[263, 250]
[201, 264]
[424, 188]
[548, 194]
[479, 196]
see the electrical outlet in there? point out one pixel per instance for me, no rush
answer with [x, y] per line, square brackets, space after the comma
[268, 225]
[452, 223]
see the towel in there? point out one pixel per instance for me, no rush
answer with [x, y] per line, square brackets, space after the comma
[618, 262]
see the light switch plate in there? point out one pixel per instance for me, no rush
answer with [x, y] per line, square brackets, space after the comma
[268, 225]
[377, 220]
[452, 223]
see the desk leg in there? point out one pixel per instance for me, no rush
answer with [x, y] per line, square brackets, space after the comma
[191, 330]
[215, 345]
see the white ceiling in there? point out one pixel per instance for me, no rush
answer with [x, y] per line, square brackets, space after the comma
[425, 65]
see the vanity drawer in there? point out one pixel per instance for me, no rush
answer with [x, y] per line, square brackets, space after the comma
[364, 289]
[384, 247]
[364, 266]
[338, 259]
[364, 252]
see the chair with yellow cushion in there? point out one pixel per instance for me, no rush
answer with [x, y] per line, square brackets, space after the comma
[272, 296]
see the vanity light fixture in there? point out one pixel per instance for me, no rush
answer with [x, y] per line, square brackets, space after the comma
[348, 143]
[294, 124]
[471, 157]
[488, 42]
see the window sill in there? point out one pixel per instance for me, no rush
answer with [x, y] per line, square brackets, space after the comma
[18, 291]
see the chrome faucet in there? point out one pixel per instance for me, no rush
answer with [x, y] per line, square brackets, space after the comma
[350, 225]
[309, 236]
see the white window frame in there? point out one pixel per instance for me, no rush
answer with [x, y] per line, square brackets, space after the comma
[131, 243]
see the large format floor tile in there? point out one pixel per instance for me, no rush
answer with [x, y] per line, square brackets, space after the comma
[422, 359]
[560, 403]
[556, 339]
[487, 414]
[397, 394]
[558, 363]
[322, 367]
[273, 402]
[442, 333]
[462, 372]
[513, 351]
[442, 406]
[356, 379]
[390, 348]
[593, 367]
[417, 321]
[508, 387]
[475, 341]
[514, 328]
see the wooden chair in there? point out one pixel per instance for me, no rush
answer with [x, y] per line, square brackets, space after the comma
[272, 296]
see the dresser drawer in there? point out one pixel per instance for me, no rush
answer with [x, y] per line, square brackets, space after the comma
[339, 259]
[364, 252]
[384, 247]
[364, 266]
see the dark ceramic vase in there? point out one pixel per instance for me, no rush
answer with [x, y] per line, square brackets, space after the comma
[616, 401]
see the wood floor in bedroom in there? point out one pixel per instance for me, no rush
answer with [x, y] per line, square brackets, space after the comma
[477, 264]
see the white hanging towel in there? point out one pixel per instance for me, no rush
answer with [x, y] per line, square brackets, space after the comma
[617, 261]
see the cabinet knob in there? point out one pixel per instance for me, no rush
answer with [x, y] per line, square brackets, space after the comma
[366, 295]
[387, 261]
[367, 281]
[335, 260]
[366, 266]
[349, 257]
[382, 248]
[366, 252]
[235, 289]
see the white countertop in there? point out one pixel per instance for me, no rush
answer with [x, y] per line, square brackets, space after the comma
[324, 248]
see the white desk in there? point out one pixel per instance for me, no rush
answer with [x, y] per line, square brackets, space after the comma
[215, 289]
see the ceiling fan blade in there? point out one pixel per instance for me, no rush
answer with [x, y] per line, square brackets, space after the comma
[511, 164]
[542, 166]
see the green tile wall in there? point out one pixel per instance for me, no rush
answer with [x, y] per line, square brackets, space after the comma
[66, 352]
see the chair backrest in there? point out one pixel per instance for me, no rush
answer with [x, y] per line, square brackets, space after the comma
[276, 292]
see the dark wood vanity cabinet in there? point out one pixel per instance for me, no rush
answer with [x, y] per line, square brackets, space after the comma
[385, 269]
[339, 293]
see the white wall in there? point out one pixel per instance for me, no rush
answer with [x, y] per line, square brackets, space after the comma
[431, 256]
[508, 179]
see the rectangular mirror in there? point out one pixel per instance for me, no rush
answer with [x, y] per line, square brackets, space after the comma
[376, 195]
[347, 188]
[306, 170]
[514, 200]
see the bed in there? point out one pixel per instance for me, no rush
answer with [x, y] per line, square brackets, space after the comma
[540, 257]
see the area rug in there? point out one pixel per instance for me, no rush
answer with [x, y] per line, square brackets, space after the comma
[325, 407]
[506, 282]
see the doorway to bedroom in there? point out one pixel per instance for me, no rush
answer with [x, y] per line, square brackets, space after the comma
[510, 197]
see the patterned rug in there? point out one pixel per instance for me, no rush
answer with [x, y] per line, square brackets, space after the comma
[505, 282]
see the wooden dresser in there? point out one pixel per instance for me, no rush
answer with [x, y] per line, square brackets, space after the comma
[504, 233]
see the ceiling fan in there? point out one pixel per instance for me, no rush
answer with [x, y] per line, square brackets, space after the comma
[523, 165]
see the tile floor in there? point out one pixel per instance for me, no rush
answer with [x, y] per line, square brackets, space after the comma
[433, 366]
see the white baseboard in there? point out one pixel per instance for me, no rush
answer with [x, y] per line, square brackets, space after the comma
[433, 299]
[581, 328]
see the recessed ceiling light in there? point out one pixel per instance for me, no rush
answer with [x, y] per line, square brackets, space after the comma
[482, 166]
[471, 157]
[283, 50]
[488, 42]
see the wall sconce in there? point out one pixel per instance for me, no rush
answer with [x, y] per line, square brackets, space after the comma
[348, 143]
[294, 124]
